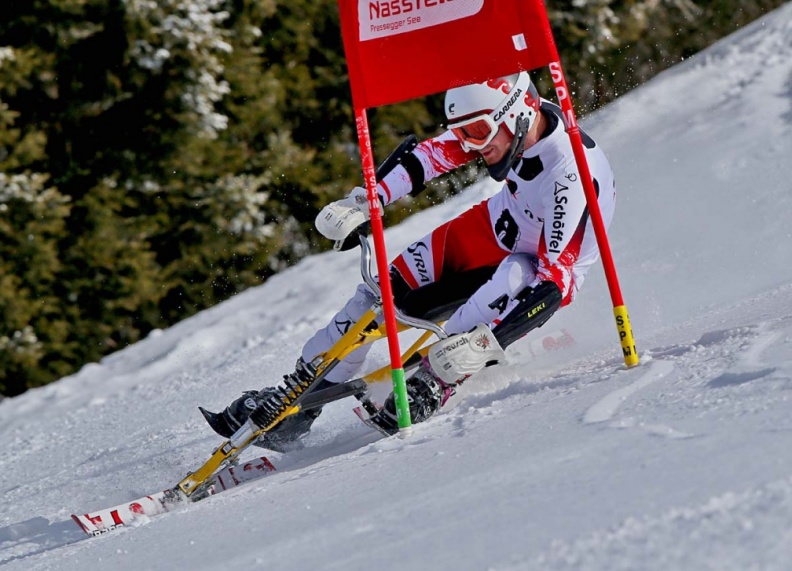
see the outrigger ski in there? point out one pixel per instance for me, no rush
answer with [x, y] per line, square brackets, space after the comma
[222, 470]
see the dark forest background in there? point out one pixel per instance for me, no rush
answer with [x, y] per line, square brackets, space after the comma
[158, 157]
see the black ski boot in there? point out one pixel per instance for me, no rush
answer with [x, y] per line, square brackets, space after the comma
[284, 437]
[426, 394]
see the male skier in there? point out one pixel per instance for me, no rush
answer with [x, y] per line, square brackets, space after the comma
[513, 259]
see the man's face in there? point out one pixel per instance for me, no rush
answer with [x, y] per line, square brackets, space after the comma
[497, 148]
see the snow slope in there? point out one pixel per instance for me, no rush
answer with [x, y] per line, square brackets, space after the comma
[561, 461]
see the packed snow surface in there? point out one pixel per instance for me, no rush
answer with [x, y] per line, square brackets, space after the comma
[559, 460]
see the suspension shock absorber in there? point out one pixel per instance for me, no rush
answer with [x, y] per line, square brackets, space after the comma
[288, 394]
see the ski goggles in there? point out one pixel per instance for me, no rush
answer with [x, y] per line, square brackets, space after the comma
[475, 133]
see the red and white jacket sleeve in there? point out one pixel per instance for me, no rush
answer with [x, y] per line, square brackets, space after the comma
[428, 160]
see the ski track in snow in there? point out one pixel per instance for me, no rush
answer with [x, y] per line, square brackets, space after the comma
[717, 526]
[607, 407]
[718, 361]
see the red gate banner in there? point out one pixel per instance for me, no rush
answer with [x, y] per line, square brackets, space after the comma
[403, 49]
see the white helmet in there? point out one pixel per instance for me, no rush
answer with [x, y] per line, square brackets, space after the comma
[476, 112]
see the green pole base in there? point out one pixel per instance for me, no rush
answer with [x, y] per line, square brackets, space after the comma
[400, 396]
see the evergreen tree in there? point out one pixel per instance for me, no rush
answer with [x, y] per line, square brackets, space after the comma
[159, 156]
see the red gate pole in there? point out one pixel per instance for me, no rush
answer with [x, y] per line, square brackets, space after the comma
[377, 232]
[570, 122]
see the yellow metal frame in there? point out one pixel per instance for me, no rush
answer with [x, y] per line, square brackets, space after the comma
[356, 337]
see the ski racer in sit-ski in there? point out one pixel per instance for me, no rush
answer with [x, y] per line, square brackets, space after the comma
[505, 265]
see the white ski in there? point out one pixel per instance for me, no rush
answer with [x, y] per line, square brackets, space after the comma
[138, 511]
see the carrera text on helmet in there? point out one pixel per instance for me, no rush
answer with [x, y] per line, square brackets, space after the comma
[499, 115]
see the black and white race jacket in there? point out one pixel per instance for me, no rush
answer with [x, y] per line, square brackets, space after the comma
[541, 209]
